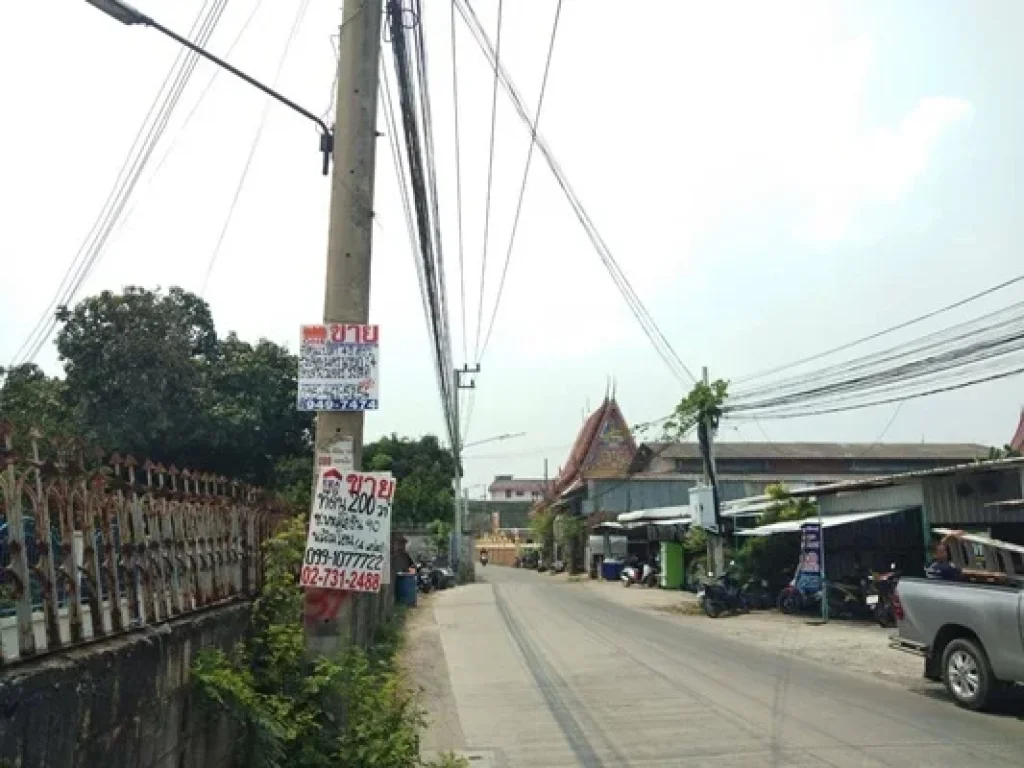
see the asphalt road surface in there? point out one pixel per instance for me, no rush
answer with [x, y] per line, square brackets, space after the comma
[546, 673]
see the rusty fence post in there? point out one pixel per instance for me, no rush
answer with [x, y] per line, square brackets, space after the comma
[144, 549]
[45, 566]
[17, 569]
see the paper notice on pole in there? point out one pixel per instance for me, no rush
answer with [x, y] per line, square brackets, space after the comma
[338, 454]
[349, 541]
[339, 367]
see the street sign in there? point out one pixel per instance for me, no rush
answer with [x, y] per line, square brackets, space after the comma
[338, 454]
[808, 578]
[349, 541]
[339, 367]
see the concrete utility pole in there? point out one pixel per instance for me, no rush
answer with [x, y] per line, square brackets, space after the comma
[716, 551]
[349, 246]
[461, 503]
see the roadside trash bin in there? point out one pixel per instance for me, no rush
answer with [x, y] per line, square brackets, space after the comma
[611, 570]
[405, 589]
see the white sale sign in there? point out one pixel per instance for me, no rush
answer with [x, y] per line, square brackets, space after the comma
[349, 539]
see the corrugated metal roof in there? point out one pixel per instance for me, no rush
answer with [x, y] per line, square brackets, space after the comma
[958, 452]
[1010, 504]
[792, 526]
[885, 480]
[751, 477]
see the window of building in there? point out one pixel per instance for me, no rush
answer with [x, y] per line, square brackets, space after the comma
[519, 493]
[508, 494]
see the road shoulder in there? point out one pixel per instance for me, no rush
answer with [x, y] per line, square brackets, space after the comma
[423, 660]
[857, 648]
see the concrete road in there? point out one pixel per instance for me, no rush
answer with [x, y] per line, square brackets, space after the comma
[546, 673]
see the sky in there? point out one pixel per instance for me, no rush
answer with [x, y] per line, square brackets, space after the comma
[774, 178]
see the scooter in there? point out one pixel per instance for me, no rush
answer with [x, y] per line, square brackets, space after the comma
[880, 602]
[646, 575]
[483, 559]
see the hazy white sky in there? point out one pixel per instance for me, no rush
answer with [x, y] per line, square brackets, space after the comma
[775, 178]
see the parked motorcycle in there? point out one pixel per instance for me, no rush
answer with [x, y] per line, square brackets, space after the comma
[424, 578]
[484, 557]
[558, 566]
[718, 596]
[844, 600]
[756, 595]
[645, 575]
[881, 600]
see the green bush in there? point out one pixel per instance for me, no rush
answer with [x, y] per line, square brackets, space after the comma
[774, 558]
[353, 711]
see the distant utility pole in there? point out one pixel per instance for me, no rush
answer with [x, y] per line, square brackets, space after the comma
[461, 500]
[349, 246]
[716, 551]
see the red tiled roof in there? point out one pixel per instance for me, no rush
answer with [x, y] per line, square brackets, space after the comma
[580, 449]
[1017, 442]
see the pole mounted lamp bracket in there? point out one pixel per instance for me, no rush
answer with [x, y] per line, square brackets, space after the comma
[465, 370]
[126, 14]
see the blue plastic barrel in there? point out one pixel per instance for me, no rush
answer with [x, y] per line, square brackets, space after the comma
[611, 570]
[405, 589]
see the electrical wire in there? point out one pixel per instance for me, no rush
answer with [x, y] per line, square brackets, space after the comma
[413, 94]
[268, 103]
[490, 178]
[647, 324]
[890, 329]
[937, 390]
[149, 134]
[458, 187]
[522, 184]
[180, 132]
[990, 335]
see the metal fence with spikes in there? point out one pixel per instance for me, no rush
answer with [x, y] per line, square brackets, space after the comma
[94, 546]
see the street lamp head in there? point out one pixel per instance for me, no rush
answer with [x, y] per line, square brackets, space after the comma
[119, 10]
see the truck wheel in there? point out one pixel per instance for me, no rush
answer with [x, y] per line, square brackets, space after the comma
[966, 673]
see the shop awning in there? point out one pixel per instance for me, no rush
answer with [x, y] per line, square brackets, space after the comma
[754, 509]
[675, 521]
[829, 521]
[655, 513]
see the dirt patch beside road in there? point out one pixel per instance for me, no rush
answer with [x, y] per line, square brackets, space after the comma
[423, 660]
[856, 647]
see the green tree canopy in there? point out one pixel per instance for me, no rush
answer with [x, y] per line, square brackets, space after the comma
[134, 367]
[424, 472]
[31, 399]
[145, 373]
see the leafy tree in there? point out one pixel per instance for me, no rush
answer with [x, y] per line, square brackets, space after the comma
[424, 472]
[542, 528]
[31, 399]
[773, 558]
[146, 374]
[440, 531]
[134, 369]
[705, 401]
[248, 400]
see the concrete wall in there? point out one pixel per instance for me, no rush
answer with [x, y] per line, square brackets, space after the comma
[120, 703]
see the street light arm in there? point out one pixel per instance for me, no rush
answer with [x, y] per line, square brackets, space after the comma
[126, 14]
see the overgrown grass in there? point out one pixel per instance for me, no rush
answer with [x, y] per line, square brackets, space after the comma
[353, 711]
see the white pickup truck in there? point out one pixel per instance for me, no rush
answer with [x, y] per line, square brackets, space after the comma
[971, 635]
